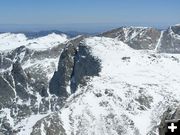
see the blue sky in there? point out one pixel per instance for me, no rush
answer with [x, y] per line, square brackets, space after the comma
[81, 14]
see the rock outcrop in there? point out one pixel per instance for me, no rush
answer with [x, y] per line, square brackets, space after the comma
[76, 64]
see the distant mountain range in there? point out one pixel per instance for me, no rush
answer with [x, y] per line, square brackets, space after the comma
[31, 35]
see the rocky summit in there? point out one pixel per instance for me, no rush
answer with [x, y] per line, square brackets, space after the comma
[121, 82]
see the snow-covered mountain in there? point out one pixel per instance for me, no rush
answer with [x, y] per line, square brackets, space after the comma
[119, 83]
[165, 41]
[136, 37]
[9, 41]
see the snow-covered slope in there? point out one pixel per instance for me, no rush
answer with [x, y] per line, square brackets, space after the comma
[10, 41]
[128, 97]
[89, 85]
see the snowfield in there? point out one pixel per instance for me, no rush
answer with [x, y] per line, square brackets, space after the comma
[130, 95]
[10, 41]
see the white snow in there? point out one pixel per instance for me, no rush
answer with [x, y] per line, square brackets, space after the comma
[145, 74]
[159, 41]
[48, 41]
[7, 113]
[42, 129]
[27, 124]
[48, 66]
[177, 24]
[10, 41]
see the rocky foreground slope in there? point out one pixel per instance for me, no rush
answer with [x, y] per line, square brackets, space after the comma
[120, 82]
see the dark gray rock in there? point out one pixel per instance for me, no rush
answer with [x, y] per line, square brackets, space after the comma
[7, 93]
[136, 37]
[62, 77]
[21, 54]
[7, 127]
[85, 66]
[170, 42]
[20, 79]
[75, 63]
[5, 62]
[8, 76]
[19, 74]
[176, 29]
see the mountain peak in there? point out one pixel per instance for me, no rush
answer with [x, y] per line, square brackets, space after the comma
[10, 41]
[177, 24]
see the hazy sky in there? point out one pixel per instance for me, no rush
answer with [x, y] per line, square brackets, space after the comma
[84, 13]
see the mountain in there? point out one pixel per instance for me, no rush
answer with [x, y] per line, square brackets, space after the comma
[37, 34]
[136, 37]
[9, 41]
[120, 82]
[163, 41]
[170, 40]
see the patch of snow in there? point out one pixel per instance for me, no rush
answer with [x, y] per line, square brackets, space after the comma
[48, 65]
[27, 124]
[10, 41]
[159, 41]
[65, 118]
[43, 132]
[177, 24]
[7, 113]
[48, 41]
